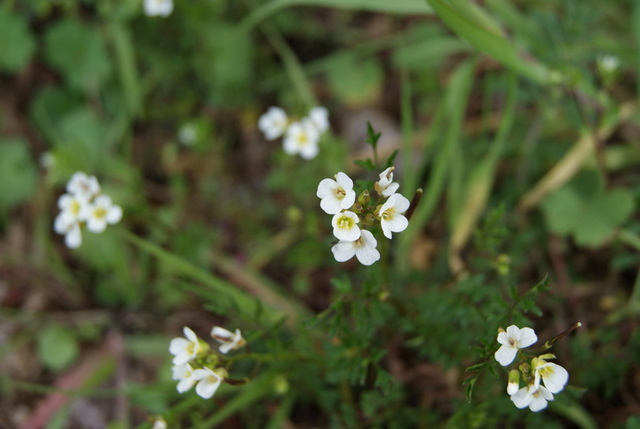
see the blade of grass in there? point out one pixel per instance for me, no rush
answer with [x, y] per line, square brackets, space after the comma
[453, 107]
[253, 391]
[125, 56]
[480, 182]
[275, 308]
[573, 160]
[395, 6]
[466, 21]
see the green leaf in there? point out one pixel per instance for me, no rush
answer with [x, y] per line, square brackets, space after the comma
[586, 211]
[472, 24]
[356, 82]
[470, 384]
[17, 173]
[57, 347]
[395, 6]
[78, 52]
[16, 42]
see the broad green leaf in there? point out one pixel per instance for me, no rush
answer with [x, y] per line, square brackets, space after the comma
[388, 6]
[78, 52]
[16, 42]
[586, 211]
[356, 82]
[57, 347]
[466, 21]
[17, 173]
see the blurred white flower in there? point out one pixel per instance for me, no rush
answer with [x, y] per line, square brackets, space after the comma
[512, 340]
[336, 195]
[73, 206]
[391, 218]
[83, 186]
[158, 7]
[68, 226]
[185, 349]
[208, 381]
[229, 340]
[533, 396]
[188, 134]
[319, 117]
[364, 248]
[553, 375]
[302, 138]
[102, 212]
[345, 226]
[608, 63]
[273, 123]
[159, 423]
[386, 186]
[184, 374]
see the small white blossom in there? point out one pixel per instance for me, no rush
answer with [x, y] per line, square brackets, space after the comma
[391, 218]
[386, 186]
[319, 117]
[302, 138]
[83, 186]
[188, 134]
[553, 375]
[159, 423]
[208, 381]
[345, 226]
[102, 212]
[73, 206]
[273, 123]
[185, 349]
[336, 195]
[67, 225]
[512, 340]
[158, 7]
[364, 248]
[185, 374]
[609, 63]
[533, 396]
[229, 340]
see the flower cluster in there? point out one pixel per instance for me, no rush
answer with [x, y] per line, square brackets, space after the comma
[158, 7]
[300, 137]
[193, 362]
[542, 379]
[351, 217]
[84, 204]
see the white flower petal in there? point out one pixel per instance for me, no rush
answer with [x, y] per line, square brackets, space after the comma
[114, 215]
[527, 337]
[506, 354]
[73, 239]
[343, 251]
[554, 377]
[521, 398]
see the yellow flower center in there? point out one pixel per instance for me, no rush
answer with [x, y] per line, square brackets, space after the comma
[340, 193]
[345, 222]
[389, 213]
[99, 212]
[75, 207]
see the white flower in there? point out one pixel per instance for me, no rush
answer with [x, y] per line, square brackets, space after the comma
[229, 340]
[302, 138]
[102, 212]
[533, 396]
[364, 248]
[512, 340]
[158, 7]
[319, 117]
[273, 123]
[185, 374]
[609, 63]
[386, 186]
[83, 186]
[185, 349]
[553, 376]
[73, 206]
[514, 381]
[188, 134]
[208, 381]
[336, 195]
[345, 226]
[391, 218]
[159, 423]
[66, 224]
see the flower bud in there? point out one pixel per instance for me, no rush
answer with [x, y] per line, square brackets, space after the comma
[364, 197]
[368, 219]
[514, 382]
[357, 208]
